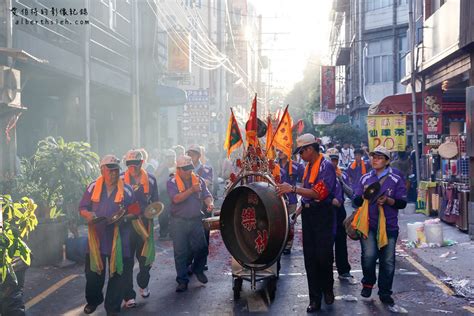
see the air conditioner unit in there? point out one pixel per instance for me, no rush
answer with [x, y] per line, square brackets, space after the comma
[10, 88]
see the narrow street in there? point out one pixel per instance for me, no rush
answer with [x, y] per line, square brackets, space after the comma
[412, 290]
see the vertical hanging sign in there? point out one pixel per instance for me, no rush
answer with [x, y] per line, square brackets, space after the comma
[328, 88]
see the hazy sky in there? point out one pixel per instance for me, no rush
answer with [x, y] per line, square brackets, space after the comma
[308, 26]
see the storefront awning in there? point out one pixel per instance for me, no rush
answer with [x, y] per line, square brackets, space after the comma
[397, 104]
[20, 55]
[452, 101]
[170, 96]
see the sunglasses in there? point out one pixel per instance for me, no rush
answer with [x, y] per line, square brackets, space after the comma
[133, 163]
[112, 167]
[186, 168]
[302, 150]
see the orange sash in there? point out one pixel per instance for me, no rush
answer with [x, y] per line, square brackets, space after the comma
[180, 183]
[364, 169]
[314, 170]
[319, 187]
[143, 180]
[98, 190]
[116, 261]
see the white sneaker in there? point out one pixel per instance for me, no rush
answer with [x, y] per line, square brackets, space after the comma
[145, 293]
[130, 303]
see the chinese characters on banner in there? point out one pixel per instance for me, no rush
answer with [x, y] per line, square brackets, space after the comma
[196, 115]
[388, 131]
[432, 121]
[323, 118]
[178, 53]
[328, 88]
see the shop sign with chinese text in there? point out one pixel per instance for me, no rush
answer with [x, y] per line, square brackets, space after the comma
[388, 131]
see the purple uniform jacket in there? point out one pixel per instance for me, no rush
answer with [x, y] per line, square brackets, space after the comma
[145, 199]
[354, 175]
[204, 171]
[338, 189]
[394, 187]
[296, 176]
[398, 173]
[191, 207]
[327, 175]
[107, 207]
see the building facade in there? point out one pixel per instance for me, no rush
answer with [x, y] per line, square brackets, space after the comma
[368, 44]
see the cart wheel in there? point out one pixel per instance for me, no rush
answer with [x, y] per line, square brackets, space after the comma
[272, 286]
[237, 287]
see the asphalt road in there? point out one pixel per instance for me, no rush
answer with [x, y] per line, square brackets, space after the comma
[54, 291]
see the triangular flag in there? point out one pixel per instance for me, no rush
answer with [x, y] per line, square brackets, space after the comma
[270, 149]
[283, 138]
[251, 126]
[233, 138]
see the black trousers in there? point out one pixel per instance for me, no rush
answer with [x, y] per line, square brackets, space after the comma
[318, 242]
[164, 218]
[342, 262]
[95, 283]
[143, 276]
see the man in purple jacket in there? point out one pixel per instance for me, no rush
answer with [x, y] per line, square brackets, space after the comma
[187, 192]
[145, 190]
[103, 198]
[340, 242]
[319, 182]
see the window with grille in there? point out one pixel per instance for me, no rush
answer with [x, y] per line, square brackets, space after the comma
[379, 65]
[371, 5]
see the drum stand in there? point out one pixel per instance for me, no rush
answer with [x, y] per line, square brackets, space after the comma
[253, 275]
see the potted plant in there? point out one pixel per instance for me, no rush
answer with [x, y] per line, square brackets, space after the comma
[55, 177]
[17, 220]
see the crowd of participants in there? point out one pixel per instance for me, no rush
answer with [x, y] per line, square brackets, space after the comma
[316, 181]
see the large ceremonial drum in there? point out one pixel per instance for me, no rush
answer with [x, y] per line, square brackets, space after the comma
[254, 224]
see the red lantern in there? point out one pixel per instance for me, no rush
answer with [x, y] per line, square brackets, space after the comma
[233, 177]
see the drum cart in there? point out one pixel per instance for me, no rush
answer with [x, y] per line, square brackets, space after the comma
[253, 273]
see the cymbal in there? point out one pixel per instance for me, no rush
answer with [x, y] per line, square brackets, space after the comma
[98, 220]
[154, 209]
[116, 217]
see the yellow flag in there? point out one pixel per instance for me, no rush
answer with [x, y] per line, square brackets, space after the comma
[283, 138]
[270, 149]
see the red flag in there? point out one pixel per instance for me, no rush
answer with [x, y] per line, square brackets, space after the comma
[251, 126]
[299, 126]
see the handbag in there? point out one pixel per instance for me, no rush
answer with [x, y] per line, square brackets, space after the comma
[350, 231]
